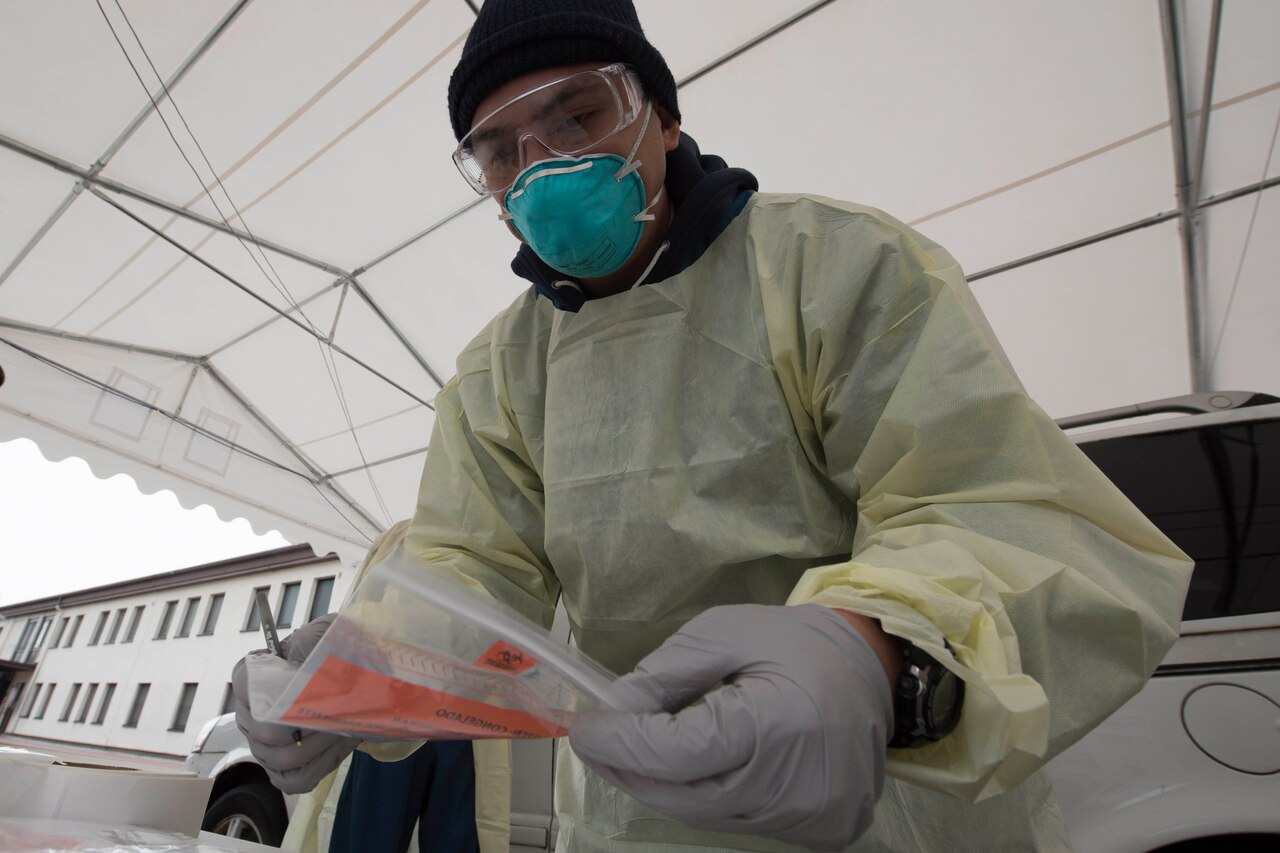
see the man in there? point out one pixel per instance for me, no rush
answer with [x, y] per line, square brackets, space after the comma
[770, 454]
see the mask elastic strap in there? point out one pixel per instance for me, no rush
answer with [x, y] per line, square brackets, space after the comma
[645, 215]
[632, 164]
[653, 262]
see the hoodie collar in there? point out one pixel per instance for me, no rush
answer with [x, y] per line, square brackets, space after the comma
[706, 195]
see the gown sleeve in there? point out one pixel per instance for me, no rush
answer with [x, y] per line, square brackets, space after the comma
[977, 519]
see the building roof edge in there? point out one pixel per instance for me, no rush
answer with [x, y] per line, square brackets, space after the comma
[278, 558]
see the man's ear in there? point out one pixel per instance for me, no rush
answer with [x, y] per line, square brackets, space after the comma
[670, 128]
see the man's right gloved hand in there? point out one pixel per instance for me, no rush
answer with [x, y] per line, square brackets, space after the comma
[292, 768]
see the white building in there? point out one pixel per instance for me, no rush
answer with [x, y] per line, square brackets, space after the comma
[140, 665]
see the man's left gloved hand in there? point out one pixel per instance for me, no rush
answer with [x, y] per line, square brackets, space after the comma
[291, 767]
[792, 746]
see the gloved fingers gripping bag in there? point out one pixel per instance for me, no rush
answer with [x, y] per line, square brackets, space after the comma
[417, 655]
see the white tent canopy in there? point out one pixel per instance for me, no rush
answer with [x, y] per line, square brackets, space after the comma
[248, 290]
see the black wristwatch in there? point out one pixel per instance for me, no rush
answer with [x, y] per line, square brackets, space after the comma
[926, 706]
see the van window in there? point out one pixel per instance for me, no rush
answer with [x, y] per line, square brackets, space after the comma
[1215, 491]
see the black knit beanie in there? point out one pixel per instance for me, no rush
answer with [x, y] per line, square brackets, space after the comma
[515, 37]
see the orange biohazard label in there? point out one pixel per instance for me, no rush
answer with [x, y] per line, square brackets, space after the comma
[505, 657]
[349, 697]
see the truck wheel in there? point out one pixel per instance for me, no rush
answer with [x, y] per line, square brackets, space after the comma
[251, 812]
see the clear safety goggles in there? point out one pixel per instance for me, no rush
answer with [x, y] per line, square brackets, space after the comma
[566, 117]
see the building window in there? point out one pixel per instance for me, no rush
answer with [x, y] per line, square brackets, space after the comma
[44, 703]
[98, 626]
[107, 694]
[62, 630]
[183, 711]
[24, 638]
[228, 700]
[71, 701]
[188, 617]
[211, 615]
[14, 698]
[288, 603]
[31, 701]
[88, 700]
[135, 710]
[254, 622]
[165, 619]
[75, 629]
[115, 627]
[28, 642]
[41, 633]
[320, 598]
[134, 621]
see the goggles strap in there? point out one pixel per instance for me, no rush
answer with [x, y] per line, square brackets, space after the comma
[632, 164]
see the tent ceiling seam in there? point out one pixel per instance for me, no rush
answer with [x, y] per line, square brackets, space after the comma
[332, 143]
[99, 164]
[315, 98]
[339, 433]
[1089, 155]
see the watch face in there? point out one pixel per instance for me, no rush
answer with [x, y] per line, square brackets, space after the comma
[944, 696]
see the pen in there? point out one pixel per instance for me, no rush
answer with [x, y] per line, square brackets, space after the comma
[273, 641]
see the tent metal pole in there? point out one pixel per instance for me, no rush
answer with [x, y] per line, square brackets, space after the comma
[39, 235]
[169, 207]
[297, 305]
[305, 328]
[85, 339]
[363, 268]
[1187, 222]
[755, 42]
[120, 140]
[317, 477]
[396, 458]
[395, 330]
[167, 85]
[1206, 101]
[1232, 195]
[1077, 244]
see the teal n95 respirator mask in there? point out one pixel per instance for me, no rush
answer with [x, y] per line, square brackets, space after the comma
[582, 215]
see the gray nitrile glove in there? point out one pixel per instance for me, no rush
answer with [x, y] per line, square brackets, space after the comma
[791, 747]
[293, 769]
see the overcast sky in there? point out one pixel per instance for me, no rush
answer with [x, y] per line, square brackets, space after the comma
[63, 529]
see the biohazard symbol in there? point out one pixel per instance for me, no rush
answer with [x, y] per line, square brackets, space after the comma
[504, 657]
